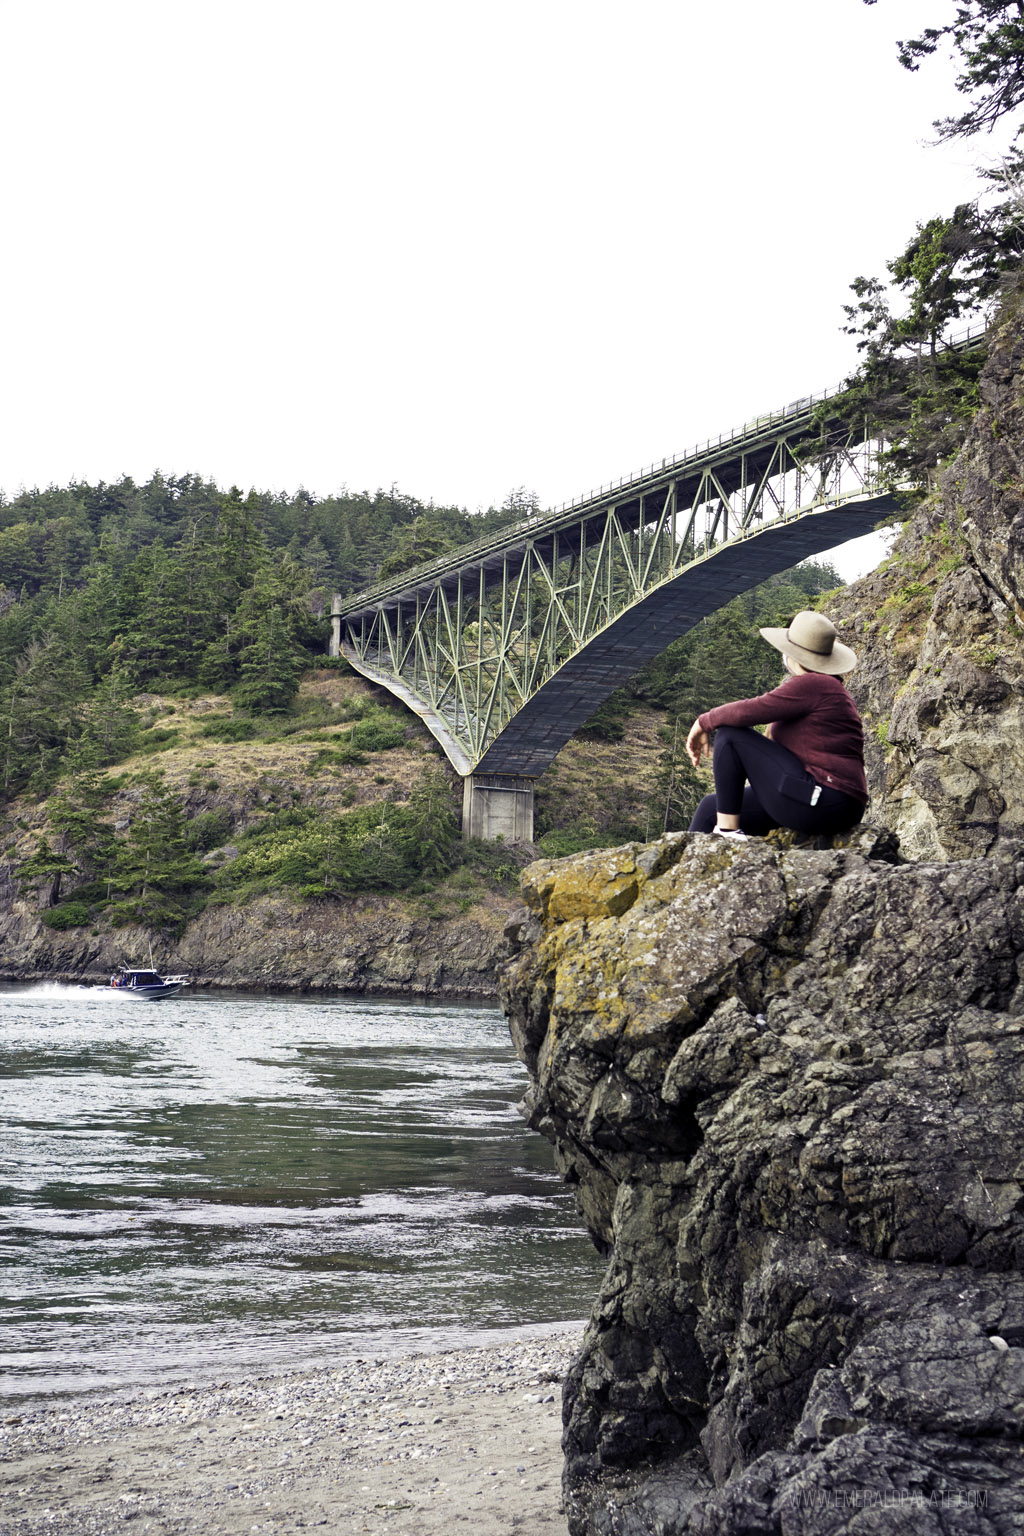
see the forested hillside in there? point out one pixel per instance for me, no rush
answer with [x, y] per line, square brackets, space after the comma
[110, 589]
[173, 737]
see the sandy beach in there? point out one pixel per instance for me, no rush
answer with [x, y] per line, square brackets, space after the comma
[466, 1439]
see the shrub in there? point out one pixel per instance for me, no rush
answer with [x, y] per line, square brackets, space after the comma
[344, 756]
[378, 734]
[607, 723]
[492, 861]
[210, 829]
[230, 728]
[563, 842]
[313, 711]
[158, 741]
[70, 914]
[379, 847]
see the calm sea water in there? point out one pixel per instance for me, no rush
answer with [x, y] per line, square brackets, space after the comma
[227, 1184]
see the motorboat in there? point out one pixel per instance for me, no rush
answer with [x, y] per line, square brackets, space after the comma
[148, 985]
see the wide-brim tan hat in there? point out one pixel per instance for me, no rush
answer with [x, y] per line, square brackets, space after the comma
[814, 642]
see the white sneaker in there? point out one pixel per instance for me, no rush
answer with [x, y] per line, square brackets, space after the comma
[736, 837]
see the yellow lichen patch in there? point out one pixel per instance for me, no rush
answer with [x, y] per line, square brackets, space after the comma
[587, 983]
[597, 885]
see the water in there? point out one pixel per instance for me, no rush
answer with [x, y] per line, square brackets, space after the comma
[220, 1185]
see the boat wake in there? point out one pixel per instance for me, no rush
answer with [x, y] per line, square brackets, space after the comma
[69, 989]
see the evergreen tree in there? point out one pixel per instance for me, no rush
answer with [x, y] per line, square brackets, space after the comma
[154, 873]
[45, 868]
[918, 396]
[314, 558]
[170, 615]
[87, 619]
[988, 36]
[268, 660]
[425, 539]
[430, 826]
[40, 712]
[110, 729]
[85, 837]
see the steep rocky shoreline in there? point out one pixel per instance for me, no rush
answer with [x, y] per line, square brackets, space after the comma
[372, 945]
[789, 1086]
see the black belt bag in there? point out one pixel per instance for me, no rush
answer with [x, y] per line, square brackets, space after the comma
[795, 788]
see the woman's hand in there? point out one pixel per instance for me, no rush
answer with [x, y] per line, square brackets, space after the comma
[698, 744]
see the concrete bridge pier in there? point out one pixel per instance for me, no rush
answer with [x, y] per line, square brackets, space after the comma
[498, 805]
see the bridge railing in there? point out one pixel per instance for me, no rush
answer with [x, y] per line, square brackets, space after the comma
[787, 413]
[541, 522]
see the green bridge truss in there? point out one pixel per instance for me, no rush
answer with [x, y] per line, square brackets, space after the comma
[507, 646]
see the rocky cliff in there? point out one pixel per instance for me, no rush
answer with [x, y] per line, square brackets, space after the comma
[940, 632]
[788, 1085]
[372, 944]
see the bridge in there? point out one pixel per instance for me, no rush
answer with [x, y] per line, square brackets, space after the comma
[506, 646]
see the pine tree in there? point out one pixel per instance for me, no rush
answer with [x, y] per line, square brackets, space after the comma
[40, 713]
[156, 876]
[110, 729]
[430, 826]
[46, 867]
[269, 662]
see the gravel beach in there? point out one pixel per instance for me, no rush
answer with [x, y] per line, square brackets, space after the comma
[466, 1439]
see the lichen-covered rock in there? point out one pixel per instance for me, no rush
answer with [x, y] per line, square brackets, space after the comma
[788, 1084]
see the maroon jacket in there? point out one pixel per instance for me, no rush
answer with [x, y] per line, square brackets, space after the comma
[814, 716]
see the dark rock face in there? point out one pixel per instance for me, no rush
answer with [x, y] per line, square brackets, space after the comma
[789, 1087]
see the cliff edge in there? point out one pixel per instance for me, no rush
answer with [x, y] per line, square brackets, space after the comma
[789, 1086]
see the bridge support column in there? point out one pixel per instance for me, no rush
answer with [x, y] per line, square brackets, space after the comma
[335, 649]
[498, 805]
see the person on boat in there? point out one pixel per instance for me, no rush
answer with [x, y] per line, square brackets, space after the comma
[808, 772]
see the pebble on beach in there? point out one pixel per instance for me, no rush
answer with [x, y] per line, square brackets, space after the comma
[417, 1444]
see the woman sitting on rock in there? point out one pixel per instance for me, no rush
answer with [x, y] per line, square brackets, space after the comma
[808, 772]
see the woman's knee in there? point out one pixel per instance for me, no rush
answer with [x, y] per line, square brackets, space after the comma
[727, 735]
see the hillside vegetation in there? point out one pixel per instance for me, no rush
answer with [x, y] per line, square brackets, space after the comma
[175, 741]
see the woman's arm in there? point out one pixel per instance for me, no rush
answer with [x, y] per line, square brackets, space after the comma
[793, 698]
[698, 744]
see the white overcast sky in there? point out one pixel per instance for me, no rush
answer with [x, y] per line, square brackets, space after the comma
[451, 245]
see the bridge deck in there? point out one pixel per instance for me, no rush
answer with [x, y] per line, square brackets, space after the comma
[738, 457]
[537, 732]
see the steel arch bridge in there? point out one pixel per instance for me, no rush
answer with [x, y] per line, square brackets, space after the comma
[505, 647]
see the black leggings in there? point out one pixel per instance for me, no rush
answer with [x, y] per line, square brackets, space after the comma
[778, 789]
